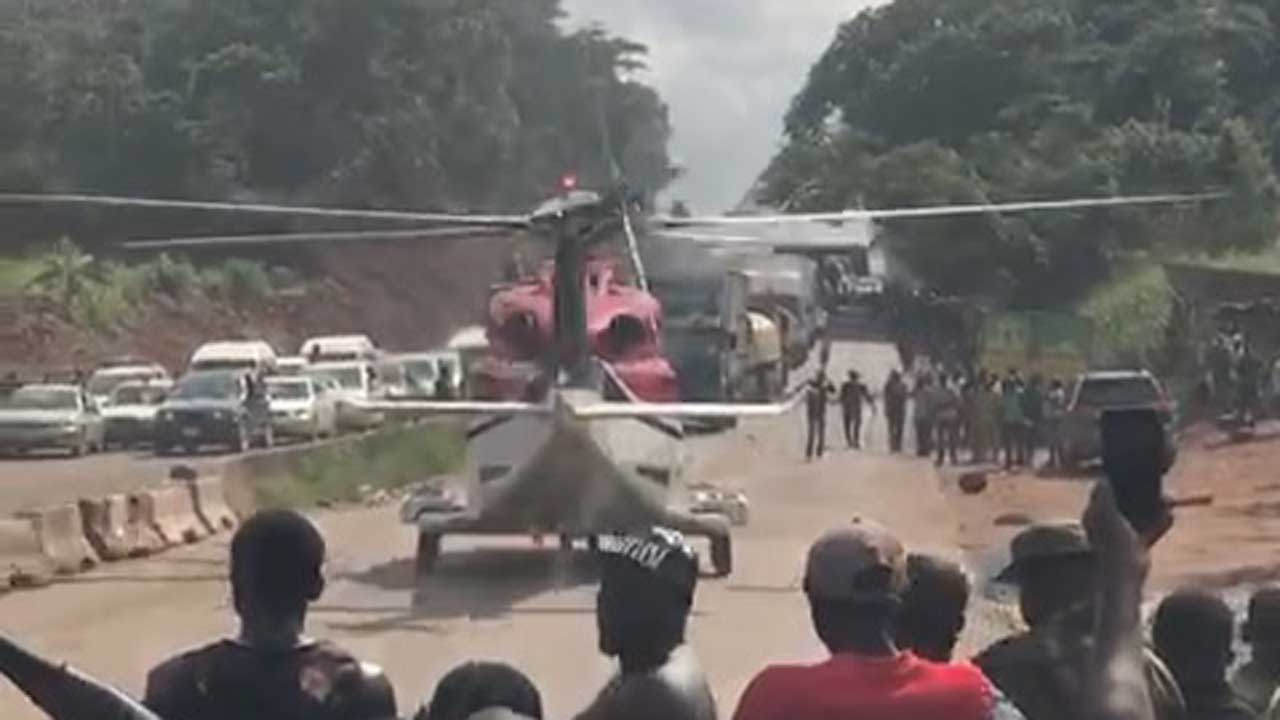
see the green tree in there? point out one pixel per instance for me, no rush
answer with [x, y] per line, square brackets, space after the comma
[68, 275]
[943, 101]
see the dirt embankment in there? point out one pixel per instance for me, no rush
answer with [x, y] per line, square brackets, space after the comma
[1227, 544]
[404, 295]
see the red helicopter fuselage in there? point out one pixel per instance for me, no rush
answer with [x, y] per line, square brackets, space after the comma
[624, 328]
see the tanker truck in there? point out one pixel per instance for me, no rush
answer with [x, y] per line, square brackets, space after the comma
[721, 347]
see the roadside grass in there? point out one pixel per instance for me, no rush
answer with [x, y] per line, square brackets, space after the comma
[1267, 261]
[16, 273]
[386, 460]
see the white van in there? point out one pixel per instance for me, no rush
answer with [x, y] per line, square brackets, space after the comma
[339, 348]
[255, 355]
[357, 384]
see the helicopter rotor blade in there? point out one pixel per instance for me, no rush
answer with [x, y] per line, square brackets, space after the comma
[938, 210]
[115, 201]
[316, 237]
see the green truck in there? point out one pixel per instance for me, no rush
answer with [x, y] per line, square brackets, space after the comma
[1052, 345]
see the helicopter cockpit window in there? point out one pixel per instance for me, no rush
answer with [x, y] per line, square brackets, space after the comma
[521, 330]
[624, 333]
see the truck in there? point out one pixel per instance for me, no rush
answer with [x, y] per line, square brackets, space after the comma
[721, 347]
[1052, 345]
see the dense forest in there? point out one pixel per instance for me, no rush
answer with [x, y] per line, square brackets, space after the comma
[951, 101]
[412, 103]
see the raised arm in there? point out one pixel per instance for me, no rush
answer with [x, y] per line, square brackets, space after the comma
[1115, 683]
[63, 693]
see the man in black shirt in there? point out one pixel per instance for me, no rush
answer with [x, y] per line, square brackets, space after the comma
[818, 392]
[646, 593]
[853, 393]
[270, 670]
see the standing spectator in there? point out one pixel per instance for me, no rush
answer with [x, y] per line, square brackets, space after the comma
[1012, 421]
[1192, 633]
[1057, 576]
[853, 393]
[1055, 412]
[1256, 681]
[1033, 419]
[854, 580]
[931, 617]
[986, 419]
[946, 418]
[922, 414]
[1248, 378]
[271, 670]
[476, 686]
[817, 397]
[895, 409]
[646, 592]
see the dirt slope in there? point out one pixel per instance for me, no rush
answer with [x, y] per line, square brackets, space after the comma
[404, 295]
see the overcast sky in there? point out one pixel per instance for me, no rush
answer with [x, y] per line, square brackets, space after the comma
[728, 69]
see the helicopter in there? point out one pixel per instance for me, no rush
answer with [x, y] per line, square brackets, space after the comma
[588, 456]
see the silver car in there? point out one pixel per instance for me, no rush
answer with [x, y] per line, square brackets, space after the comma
[50, 416]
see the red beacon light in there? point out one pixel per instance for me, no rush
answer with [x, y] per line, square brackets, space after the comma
[569, 182]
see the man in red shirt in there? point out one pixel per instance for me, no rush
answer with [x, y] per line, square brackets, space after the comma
[854, 579]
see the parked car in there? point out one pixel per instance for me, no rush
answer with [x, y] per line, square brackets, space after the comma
[129, 416]
[50, 416]
[108, 377]
[302, 408]
[357, 384]
[214, 407]
[1096, 392]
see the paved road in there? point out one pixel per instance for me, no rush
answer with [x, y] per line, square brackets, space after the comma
[503, 599]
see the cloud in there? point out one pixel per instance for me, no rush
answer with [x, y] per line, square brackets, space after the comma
[728, 69]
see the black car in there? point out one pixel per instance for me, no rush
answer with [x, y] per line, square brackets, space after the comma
[214, 407]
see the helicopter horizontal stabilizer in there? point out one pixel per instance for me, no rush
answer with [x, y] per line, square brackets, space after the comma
[684, 411]
[452, 407]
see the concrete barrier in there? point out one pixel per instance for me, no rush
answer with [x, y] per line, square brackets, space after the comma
[62, 541]
[171, 512]
[211, 504]
[115, 528]
[22, 562]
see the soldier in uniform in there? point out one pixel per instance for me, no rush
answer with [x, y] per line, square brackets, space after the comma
[271, 671]
[1040, 670]
[646, 592]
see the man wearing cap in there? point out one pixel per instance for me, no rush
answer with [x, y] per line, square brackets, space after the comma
[1256, 681]
[1056, 574]
[646, 592]
[854, 580]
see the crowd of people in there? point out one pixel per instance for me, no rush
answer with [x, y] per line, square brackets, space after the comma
[890, 619]
[979, 417]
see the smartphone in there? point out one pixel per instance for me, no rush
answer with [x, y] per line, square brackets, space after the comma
[1133, 453]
